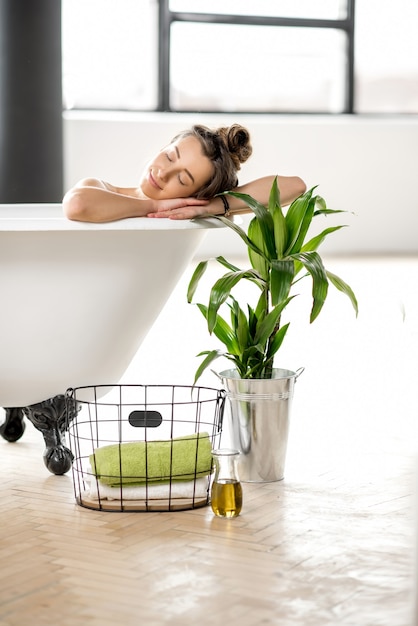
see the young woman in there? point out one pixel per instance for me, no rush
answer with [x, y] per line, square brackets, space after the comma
[182, 182]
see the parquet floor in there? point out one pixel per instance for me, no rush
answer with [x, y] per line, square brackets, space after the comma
[331, 544]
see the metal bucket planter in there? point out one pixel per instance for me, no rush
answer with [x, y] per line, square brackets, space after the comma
[259, 422]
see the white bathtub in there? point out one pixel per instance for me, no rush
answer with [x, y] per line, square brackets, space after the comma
[77, 299]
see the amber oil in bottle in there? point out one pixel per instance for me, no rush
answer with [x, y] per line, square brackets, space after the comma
[226, 492]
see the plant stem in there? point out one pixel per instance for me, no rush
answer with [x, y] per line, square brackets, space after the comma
[268, 369]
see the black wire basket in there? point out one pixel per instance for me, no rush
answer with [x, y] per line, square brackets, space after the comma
[143, 447]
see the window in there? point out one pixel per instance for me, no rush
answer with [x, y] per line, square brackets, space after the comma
[294, 56]
[281, 56]
[386, 54]
[256, 68]
[110, 58]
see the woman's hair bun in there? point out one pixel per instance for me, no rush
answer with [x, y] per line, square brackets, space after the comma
[226, 147]
[237, 141]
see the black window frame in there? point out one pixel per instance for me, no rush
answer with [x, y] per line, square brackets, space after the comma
[166, 18]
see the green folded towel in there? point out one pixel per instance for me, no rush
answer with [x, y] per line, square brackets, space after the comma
[139, 462]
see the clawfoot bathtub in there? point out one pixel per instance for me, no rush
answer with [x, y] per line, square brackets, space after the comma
[76, 302]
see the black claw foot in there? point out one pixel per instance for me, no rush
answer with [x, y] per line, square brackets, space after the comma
[50, 417]
[58, 460]
[14, 426]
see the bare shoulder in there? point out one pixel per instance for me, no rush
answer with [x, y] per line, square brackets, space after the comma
[93, 182]
[102, 184]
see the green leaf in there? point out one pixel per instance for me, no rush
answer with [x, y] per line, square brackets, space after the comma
[227, 264]
[252, 321]
[321, 208]
[313, 263]
[222, 331]
[211, 356]
[280, 231]
[265, 221]
[277, 341]
[242, 234]
[320, 204]
[253, 204]
[315, 242]
[252, 353]
[262, 306]
[304, 227]
[330, 212]
[266, 328]
[222, 289]
[257, 261]
[344, 288]
[239, 325]
[239, 364]
[295, 216]
[274, 198]
[279, 221]
[281, 277]
[194, 281]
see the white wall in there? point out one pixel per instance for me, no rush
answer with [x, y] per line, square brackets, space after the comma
[365, 165]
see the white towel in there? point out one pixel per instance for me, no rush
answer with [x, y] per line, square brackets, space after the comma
[178, 489]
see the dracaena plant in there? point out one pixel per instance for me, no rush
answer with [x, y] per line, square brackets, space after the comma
[280, 256]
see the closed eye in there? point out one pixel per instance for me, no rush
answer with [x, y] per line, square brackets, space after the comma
[187, 173]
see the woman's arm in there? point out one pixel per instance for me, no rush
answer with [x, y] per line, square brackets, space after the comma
[290, 188]
[93, 200]
[95, 204]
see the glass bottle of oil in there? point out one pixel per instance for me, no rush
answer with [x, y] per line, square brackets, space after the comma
[226, 492]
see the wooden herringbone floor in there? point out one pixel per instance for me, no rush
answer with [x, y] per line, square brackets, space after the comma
[331, 544]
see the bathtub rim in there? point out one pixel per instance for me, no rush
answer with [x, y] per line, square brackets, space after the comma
[49, 217]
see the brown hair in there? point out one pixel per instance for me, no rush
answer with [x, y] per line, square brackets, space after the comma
[227, 148]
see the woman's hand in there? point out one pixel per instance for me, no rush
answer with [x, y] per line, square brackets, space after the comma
[188, 208]
[179, 208]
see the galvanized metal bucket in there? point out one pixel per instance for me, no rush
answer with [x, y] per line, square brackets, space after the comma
[258, 424]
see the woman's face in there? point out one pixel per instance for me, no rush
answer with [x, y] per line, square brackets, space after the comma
[178, 171]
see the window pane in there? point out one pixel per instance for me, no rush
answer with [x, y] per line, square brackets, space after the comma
[109, 54]
[386, 57]
[257, 68]
[324, 9]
